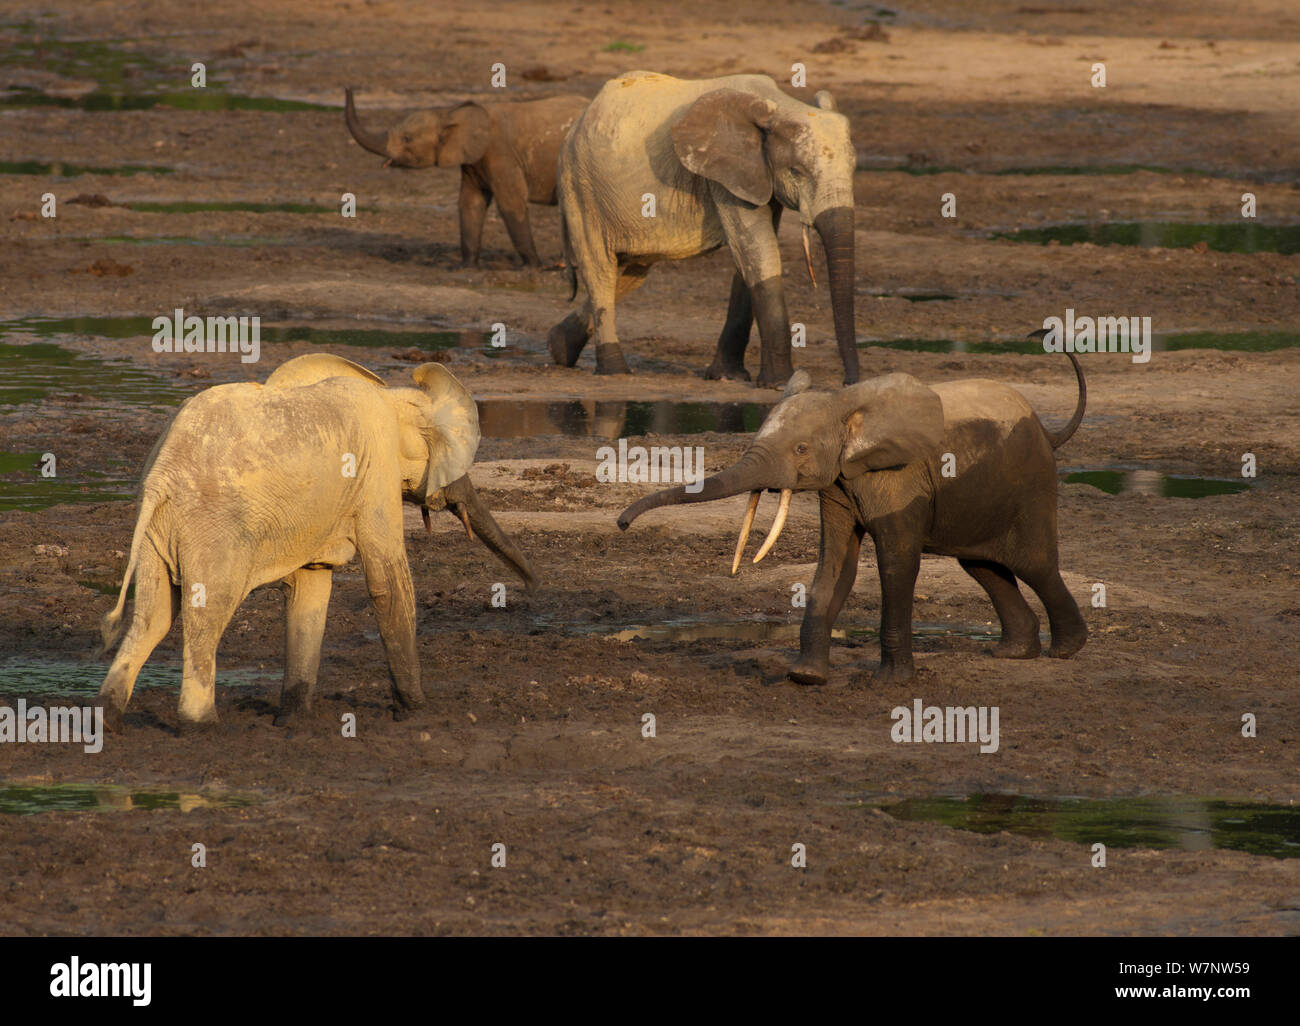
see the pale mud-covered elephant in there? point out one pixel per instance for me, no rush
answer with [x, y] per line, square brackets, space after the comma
[963, 468]
[719, 158]
[285, 482]
[505, 150]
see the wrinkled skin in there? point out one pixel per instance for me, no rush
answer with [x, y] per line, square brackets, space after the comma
[874, 453]
[723, 158]
[505, 151]
[283, 483]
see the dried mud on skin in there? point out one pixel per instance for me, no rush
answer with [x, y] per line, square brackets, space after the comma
[531, 736]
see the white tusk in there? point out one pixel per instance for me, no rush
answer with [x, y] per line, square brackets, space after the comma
[808, 257]
[777, 524]
[744, 531]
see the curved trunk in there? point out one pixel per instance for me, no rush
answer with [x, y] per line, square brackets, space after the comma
[835, 226]
[749, 474]
[375, 142]
[465, 503]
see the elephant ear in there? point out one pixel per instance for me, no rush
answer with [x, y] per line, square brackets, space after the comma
[450, 428]
[720, 137]
[466, 132]
[891, 421]
[307, 370]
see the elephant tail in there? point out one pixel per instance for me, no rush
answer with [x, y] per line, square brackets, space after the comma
[570, 269]
[1059, 438]
[110, 627]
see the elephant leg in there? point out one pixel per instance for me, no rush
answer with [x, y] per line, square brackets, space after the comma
[156, 603]
[306, 601]
[602, 289]
[752, 239]
[568, 339]
[1019, 624]
[1069, 631]
[729, 360]
[388, 579]
[512, 202]
[898, 558]
[203, 625]
[837, 569]
[474, 199]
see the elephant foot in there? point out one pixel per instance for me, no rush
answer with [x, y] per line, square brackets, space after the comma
[404, 710]
[204, 728]
[1068, 643]
[894, 671]
[294, 717]
[774, 377]
[567, 339]
[609, 359]
[1018, 648]
[720, 370]
[112, 713]
[809, 673]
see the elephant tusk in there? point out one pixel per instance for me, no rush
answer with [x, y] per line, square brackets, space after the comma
[744, 531]
[464, 519]
[424, 515]
[777, 525]
[389, 163]
[807, 256]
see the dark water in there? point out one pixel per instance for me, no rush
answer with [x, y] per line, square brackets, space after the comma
[20, 675]
[1188, 824]
[1115, 481]
[30, 799]
[36, 372]
[62, 170]
[1244, 236]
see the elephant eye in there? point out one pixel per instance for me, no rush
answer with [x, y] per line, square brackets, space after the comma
[801, 449]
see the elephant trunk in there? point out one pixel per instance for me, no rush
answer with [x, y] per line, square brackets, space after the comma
[464, 501]
[375, 142]
[746, 475]
[835, 226]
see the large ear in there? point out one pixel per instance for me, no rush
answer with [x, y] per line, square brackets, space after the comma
[890, 421]
[465, 135]
[451, 430]
[720, 137]
[306, 370]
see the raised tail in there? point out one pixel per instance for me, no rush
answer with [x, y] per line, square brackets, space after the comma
[1059, 438]
[110, 627]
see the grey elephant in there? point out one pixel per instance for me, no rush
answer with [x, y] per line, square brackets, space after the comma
[719, 159]
[962, 469]
[505, 151]
[285, 482]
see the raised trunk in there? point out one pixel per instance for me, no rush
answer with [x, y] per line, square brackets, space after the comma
[463, 499]
[835, 226]
[749, 474]
[375, 142]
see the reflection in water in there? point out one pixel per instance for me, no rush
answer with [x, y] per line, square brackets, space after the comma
[29, 799]
[1188, 824]
[1152, 482]
[1241, 236]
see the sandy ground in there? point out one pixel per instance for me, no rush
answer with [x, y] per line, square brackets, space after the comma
[532, 736]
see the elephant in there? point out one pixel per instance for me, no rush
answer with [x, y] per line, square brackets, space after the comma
[963, 469]
[253, 484]
[505, 150]
[720, 159]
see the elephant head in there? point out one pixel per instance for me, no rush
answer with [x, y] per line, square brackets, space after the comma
[810, 440]
[758, 149]
[444, 137]
[438, 437]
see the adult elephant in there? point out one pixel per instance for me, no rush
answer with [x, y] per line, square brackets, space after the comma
[719, 159]
[285, 482]
[505, 151]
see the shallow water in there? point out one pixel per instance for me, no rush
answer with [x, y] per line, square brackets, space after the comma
[1124, 480]
[60, 169]
[1244, 236]
[20, 675]
[30, 799]
[1188, 824]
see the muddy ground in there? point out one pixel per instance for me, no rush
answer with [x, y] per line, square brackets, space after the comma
[532, 733]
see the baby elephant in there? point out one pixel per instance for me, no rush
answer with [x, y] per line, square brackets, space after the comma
[962, 469]
[285, 482]
[506, 150]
